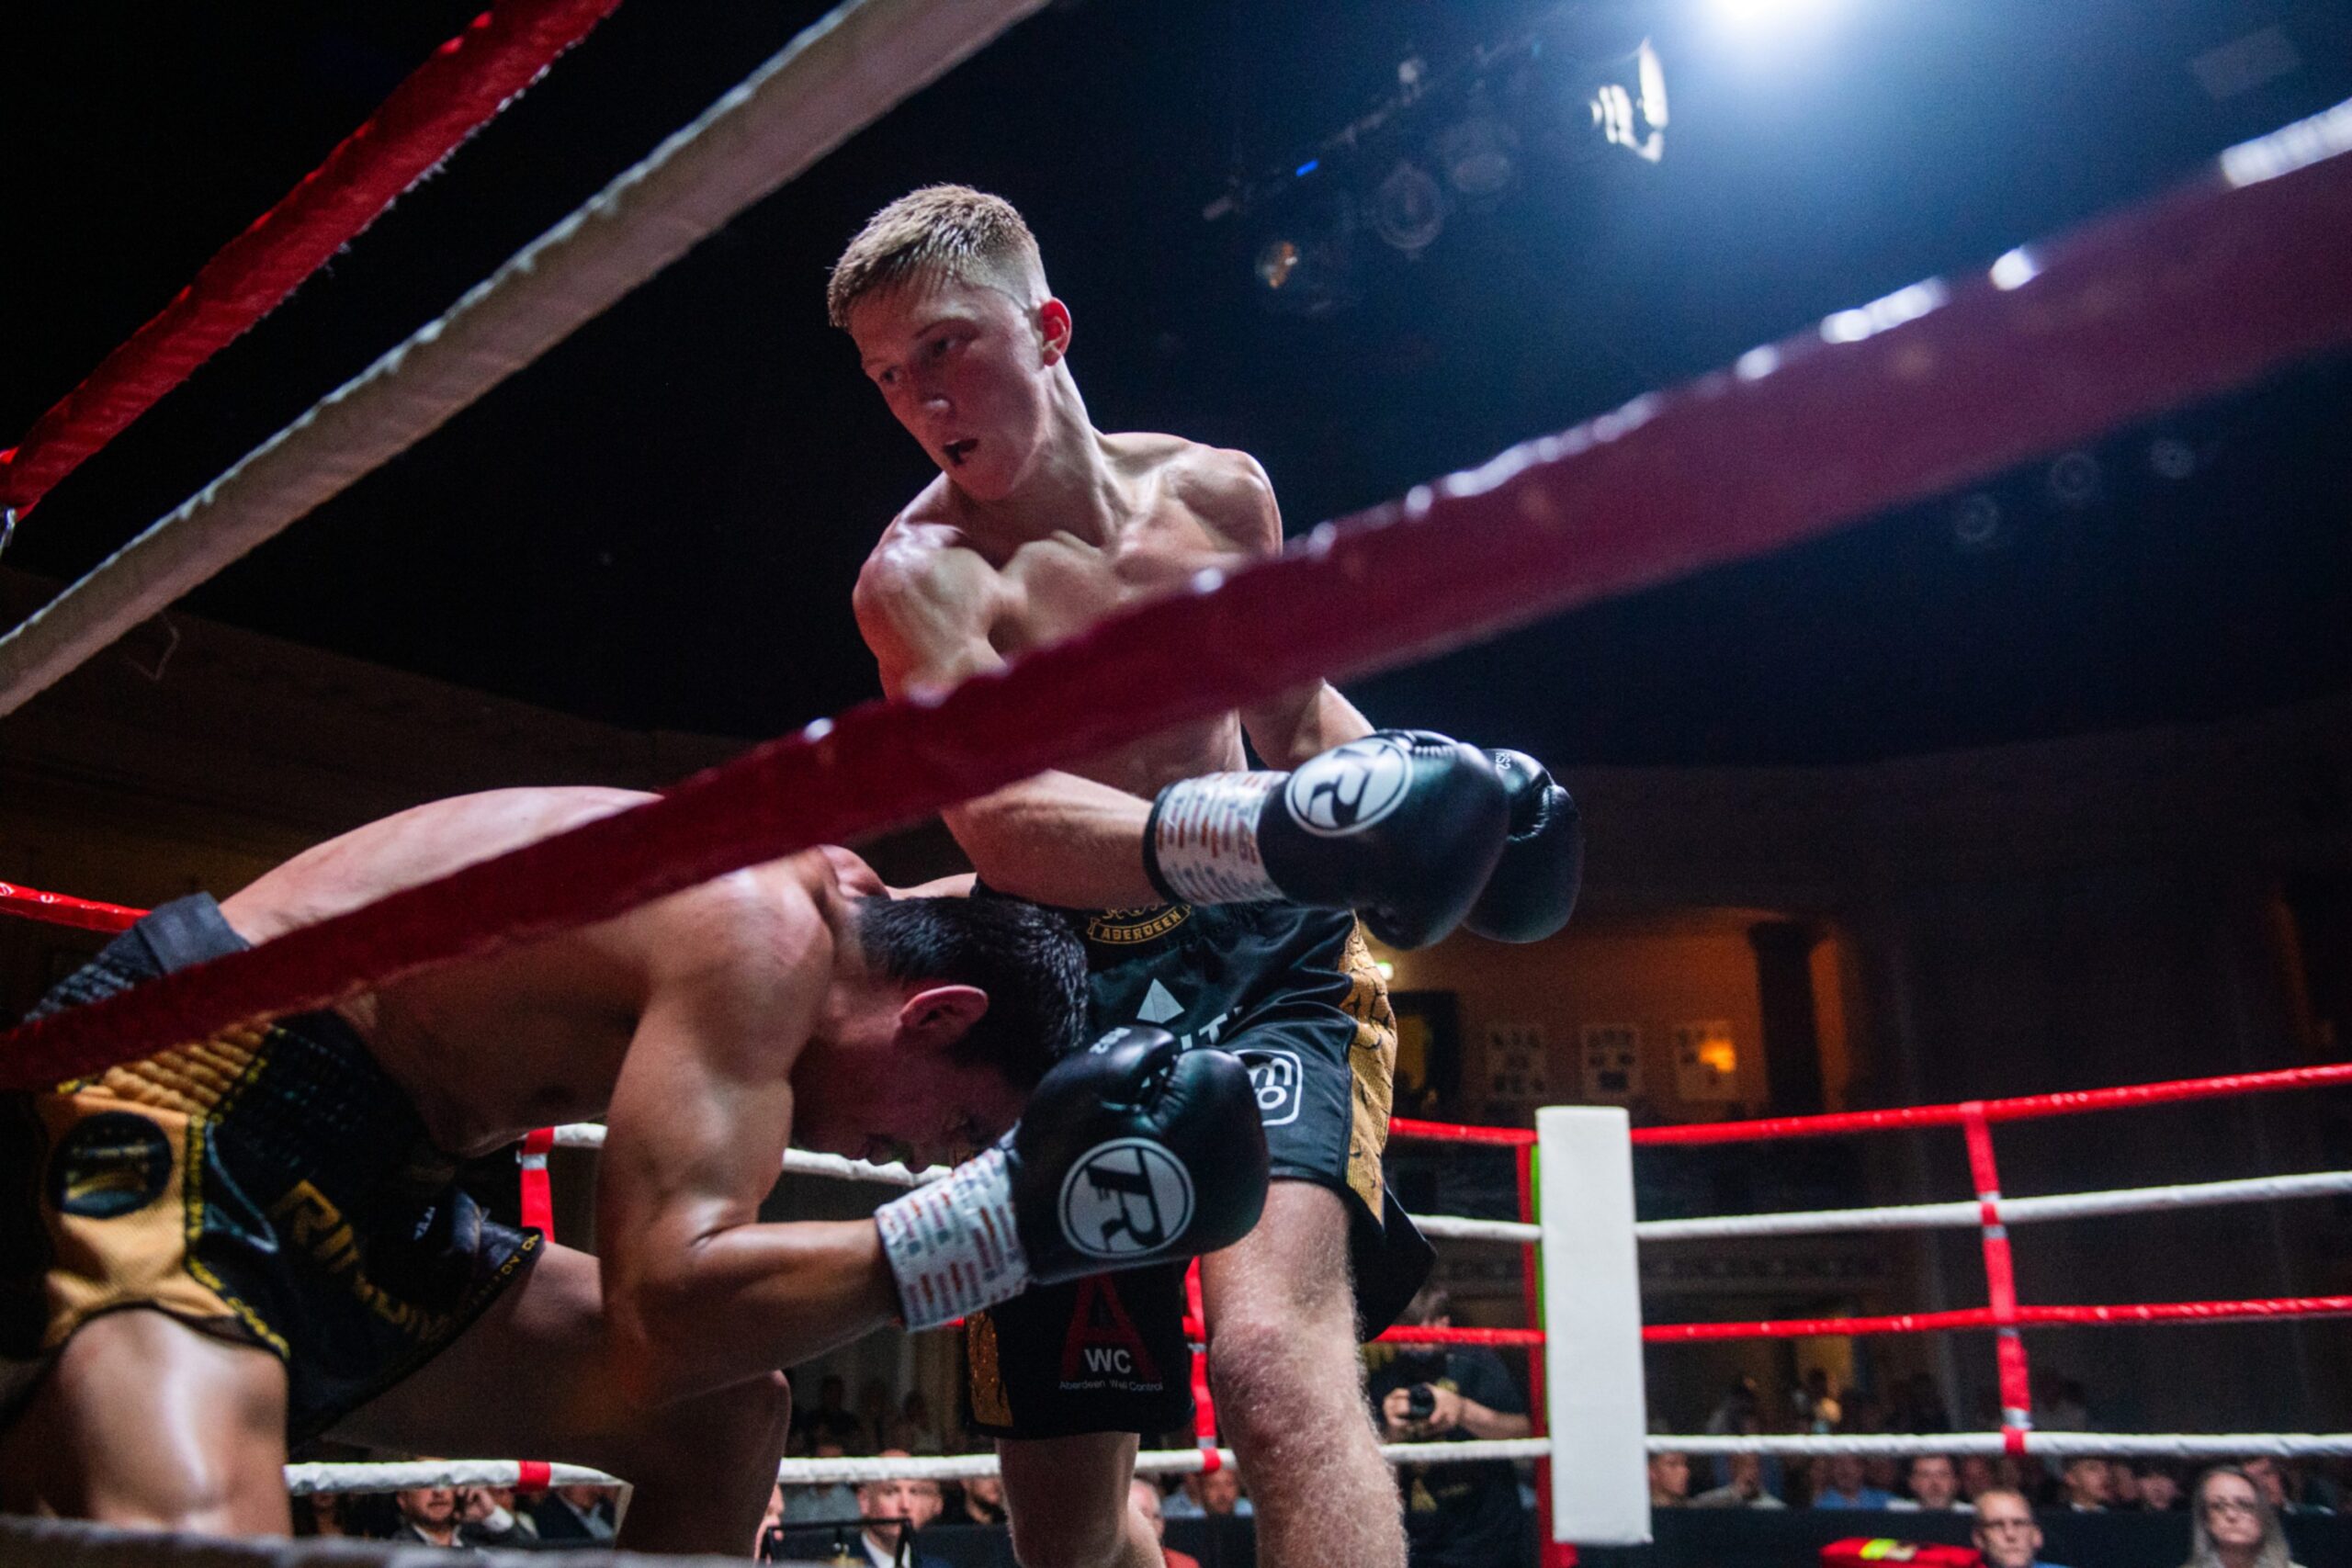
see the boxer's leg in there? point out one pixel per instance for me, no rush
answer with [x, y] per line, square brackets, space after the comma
[145, 1422]
[531, 1379]
[1289, 1385]
[1067, 1500]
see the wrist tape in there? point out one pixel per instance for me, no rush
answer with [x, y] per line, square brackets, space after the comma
[952, 1245]
[1202, 840]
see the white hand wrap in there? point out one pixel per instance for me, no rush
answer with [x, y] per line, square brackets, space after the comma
[953, 1245]
[1204, 838]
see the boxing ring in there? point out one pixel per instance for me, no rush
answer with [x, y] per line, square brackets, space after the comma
[2241, 270]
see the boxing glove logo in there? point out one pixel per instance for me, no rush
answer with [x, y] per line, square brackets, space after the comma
[1126, 1199]
[1349, 787]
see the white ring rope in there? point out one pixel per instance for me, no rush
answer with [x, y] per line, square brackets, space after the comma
[2054, 1445]
[71, 1543]
[306, 1478]
[841, 74]
[301, 1479]
[799, 1162]
[1969, 1214]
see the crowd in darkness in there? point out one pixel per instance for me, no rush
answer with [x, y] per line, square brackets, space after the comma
[1456, 1516]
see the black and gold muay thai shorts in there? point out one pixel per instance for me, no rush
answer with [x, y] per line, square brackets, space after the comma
[1294, 993]
[271, 1185]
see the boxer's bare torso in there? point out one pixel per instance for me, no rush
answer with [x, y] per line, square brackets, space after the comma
[492, 1047]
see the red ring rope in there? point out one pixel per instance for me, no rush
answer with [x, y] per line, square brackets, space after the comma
[1458, 1133]
[60, 909]
[2022, 1108]
[2198, 291]
[467, 80]
[2027, 1318]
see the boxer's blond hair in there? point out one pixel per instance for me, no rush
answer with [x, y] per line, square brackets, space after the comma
[938, 231]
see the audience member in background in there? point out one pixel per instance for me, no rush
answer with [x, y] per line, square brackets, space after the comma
[1918, 1407]
[1977, 1474]
[873, 1415]
[2005, 1529]
[2059, 1404]
[1670, 1479]
[771, 1522]
[1814, 1404]
[486, 1516]
[981, 1502]
[1746, 1489]
[320, 1514]
[1221, 1496]
[1184, 1502]
[2278, 1486]
[2231, 1526]
[1880, 1473]
[919, 1433]
[2085, 1483]
[831, 1504]
[2157, 1485]
[1144, 1498]
[1454, 1514]
[830, 1418]
[896, 1508]
[1740, 1411]
[1843, 1485]
[428, 1514]
[2123, 1486]
[571, 1515]
[1934, 1487]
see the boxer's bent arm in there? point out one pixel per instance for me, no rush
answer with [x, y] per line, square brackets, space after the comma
[1055, 838]
[699, 1295]
[1302, 723]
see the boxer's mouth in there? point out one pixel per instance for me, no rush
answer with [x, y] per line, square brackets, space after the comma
[958, 450]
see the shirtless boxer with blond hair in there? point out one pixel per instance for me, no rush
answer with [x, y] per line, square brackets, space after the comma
[1218, 907]
[228, 1245]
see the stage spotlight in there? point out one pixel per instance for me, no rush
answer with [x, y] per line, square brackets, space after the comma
[1753, 14]
[1479, 152]
[1408, 208]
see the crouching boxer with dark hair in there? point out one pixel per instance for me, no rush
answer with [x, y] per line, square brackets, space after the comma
[1221, 909]
[236, 1244]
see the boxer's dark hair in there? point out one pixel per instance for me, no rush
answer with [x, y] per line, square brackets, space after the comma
[1028, 959]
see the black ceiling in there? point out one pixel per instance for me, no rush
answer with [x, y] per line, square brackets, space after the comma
[659, 524]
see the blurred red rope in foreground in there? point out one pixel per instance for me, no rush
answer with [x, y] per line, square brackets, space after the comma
[2026, 1317]
[2196, 292]
[62, 909]
[465, 83]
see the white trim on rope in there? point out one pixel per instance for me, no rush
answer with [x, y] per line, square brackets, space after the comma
[2054, 1445]
[1450, 1227]
[1969, 1214]
[840, 75]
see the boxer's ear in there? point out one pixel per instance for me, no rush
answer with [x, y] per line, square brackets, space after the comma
[937, 1016]
[1053, 330]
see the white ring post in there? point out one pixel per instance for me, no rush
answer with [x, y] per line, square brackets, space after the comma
[1592, 1326]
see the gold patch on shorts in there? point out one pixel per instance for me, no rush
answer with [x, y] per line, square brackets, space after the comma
[1131, 927]
[990, 1405]
[1372, 1063]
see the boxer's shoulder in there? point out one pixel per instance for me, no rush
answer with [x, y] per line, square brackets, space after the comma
[1222, 488]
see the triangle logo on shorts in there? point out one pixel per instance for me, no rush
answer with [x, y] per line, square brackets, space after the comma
[1103, 1344]
[1159, 1004]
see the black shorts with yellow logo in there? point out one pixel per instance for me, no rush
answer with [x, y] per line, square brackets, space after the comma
[1294, 994]
[271, 1185]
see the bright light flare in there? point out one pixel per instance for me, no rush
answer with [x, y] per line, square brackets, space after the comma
[1754, 13]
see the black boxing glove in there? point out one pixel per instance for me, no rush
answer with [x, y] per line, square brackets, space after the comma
[1131, 1153]
[1403, 827]
[1534, 889]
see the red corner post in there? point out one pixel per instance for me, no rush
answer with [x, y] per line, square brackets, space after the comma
[1549, 1553]
[1196, 1329]
[2000, 1279]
